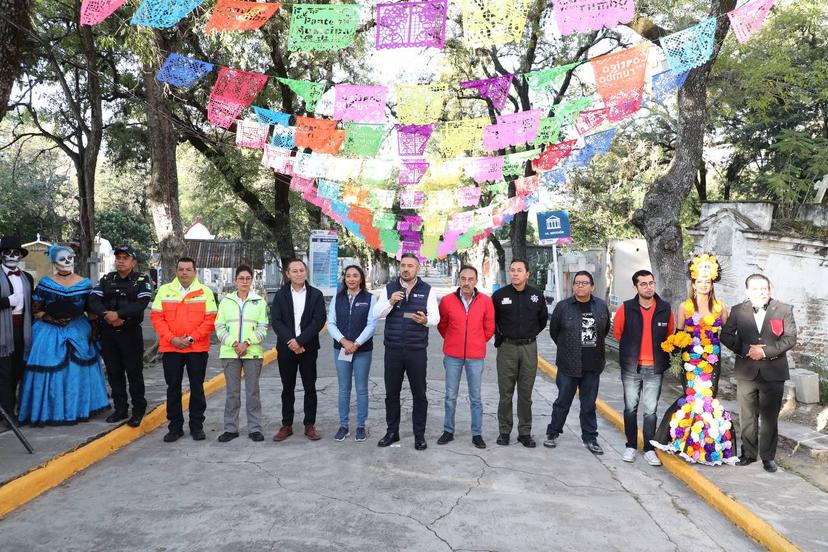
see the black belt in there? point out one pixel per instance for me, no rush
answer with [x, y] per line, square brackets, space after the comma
[513, 341]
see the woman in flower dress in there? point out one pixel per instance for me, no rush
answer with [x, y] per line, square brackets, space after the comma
[696, 426]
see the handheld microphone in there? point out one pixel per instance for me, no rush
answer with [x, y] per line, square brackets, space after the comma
[405, 292]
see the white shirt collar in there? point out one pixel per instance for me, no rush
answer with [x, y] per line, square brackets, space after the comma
[759, 317]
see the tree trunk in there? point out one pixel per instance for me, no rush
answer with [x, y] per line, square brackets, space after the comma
[13, 26]
[517, 235]
[737, 163]
[86, 218]
[501, 255]
[90, 150]
[281, 229]
[658, 218]
[163, 184]
[701, 182]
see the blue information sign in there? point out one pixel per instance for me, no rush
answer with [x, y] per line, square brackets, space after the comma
[324, 269]
[552, 226]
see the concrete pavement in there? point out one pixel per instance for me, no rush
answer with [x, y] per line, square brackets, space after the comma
[299, 495]
[302, 495]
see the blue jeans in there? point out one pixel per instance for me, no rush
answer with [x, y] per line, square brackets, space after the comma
[358, 368]
[474, 374]
[643, 386]
[587, 386]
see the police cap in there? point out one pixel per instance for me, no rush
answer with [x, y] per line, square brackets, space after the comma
[125, 249]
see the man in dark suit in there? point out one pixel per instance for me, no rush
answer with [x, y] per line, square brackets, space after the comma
[760, 331]
[15, 320]
[297, 315]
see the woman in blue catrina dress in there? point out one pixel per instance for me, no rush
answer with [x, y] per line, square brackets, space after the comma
[63, 382]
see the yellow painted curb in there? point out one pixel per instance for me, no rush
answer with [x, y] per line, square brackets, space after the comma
[32, 484]
[752, 525]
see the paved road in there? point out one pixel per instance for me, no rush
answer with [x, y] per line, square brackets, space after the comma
[309, 496]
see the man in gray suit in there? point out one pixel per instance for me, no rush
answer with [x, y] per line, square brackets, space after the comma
[760, 331]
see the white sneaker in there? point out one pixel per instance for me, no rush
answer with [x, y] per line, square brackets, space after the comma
[651, 458]
[629, 455]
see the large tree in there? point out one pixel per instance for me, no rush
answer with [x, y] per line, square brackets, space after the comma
[66, 57]
[267, 196]
[659, 216]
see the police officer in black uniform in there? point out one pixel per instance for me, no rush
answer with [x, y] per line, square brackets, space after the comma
[119, 300]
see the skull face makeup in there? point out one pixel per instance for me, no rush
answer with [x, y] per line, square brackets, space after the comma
[65, 262]
[11, 257]
[63, 259]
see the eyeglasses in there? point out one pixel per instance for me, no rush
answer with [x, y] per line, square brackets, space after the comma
[646, 284]
[582, 284]
[247, 279]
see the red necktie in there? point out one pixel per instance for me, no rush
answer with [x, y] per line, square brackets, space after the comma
[15, 272]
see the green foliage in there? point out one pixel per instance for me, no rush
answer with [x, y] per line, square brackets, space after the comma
[611, 188]
[124, 227]
[36, 195]
[770, 104]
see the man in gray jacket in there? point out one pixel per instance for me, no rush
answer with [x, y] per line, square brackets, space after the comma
[578, 327]
[760, 331]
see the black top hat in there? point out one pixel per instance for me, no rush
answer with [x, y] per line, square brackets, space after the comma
[13, 242]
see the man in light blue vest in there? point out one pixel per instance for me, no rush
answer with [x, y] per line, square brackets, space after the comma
[410, 306]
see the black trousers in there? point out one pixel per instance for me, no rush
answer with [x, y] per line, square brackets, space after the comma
[196, 365]
[587, 385]
[11, 372]
[398, 363]
[123, 354]
[289, 365]
[759, 405]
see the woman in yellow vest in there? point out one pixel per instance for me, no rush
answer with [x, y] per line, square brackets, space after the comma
[241, 326]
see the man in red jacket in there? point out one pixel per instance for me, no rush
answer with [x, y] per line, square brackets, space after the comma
[467, 322]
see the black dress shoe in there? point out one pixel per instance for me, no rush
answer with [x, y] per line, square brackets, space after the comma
[769, 465]
[226, 436]
[256, 436]
[198, 434]
[745, 461]
[503, 439]
[389, 438]
[420, 443]
[593, 447]
[135, 420]
[116, 417]
[446, 437]
[173, 435]
[478, 442]
[527, 441]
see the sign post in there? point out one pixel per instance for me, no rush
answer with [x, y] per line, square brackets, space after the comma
[553, 228]
[323, 260]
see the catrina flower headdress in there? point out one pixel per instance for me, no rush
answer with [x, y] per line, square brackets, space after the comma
[704, 264]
